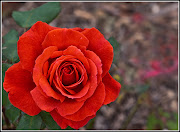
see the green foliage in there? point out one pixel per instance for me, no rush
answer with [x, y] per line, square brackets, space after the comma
[43, 126]
[116, 48]
[12, 113]
[163, 113]
[154, 123]
[9, 47]
[69, 128]
[172, 123]
[48, 121]
[166, 120]
[46, 13]
[29, 122]
[90, 124]
[5, 100]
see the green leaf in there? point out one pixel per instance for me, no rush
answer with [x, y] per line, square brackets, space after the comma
[29, 123]
[43, 126]
[154, 123]
[114, 43]
[9, 47]
[12, 113]
[172, 125]
[116, 48]
[90, 124]
[175, 116]
[45, 13]
[48, 120]
[5, 100]
[69, 128]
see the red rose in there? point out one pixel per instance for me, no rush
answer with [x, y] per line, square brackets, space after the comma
[64, 72]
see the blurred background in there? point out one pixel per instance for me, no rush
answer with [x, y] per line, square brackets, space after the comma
[145, 40]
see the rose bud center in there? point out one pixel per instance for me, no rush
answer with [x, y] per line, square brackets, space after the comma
[68, 76]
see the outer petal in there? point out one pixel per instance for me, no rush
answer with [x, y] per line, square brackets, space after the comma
[63, 123]
[91, 106]
[47, 104]
[112, 88]
[69, 106]
[62, 38]
[18, 82]
[99, 45]
[78, 29]
[29, 44]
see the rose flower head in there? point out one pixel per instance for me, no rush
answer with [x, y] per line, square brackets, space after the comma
[64, 72]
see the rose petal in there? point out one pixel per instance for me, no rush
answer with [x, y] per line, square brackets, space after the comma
[29, 44]
[68, 79]
[92, 80]
[45, 68]
[60, 87]
[78, 29]
[59, 119]
[74, 51]
[63, 123]
[99, 45]
[91, 106]
[57, 54]
[37, 71]
[112, 88]
[77, 95]
[63, 38]
[69, 106]
[46, 104]
[91, 55]
[45, 86]
[18, 82]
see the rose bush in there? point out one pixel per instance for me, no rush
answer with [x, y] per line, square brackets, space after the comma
[64, 72]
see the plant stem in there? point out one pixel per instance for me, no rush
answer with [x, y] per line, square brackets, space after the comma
[130, 116]
[6, 119]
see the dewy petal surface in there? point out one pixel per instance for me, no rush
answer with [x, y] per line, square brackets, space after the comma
[18, 82]
[112, 88]
[63, 38]
[29, 44]
[99, 45]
